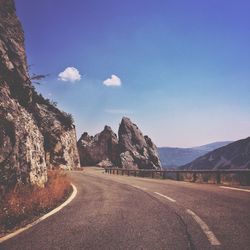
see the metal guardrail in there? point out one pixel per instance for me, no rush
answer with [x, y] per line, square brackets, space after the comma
[164, 174]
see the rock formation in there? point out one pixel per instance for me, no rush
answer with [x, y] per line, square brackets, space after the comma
[131, 151]
[34, 135]
[94, 149]
[136, 151]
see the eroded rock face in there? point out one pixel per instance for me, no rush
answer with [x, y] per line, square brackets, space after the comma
[131, 151]
[95, 149]
[22, 156]
[136, 151]
[105, 164]
[59, 138]
[34, 134]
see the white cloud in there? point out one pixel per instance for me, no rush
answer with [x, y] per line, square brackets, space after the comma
[119, 111]
[114, 81]
[70, 74]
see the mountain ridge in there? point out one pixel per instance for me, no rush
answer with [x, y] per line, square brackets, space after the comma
[235, 155]
[172, 157]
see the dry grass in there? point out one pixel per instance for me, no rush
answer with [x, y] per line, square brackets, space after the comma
[24, 203]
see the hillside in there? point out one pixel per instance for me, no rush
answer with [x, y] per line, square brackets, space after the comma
[235, 155]
[174, 157]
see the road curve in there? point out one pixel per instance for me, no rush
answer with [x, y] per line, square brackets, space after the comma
[119, 212]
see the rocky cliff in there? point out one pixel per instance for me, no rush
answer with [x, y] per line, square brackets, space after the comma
[34, 135]
[94, 149]
[136, 151]
[131, 151]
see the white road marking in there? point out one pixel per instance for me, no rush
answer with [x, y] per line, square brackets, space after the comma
[143, 188]
[210, 235]
[238, 189]
[170, 199]
[11, 235]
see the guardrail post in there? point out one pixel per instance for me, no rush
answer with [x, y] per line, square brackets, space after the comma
[135, 173]
[177, 176]
[218, 177]
[152, 174]
[164, 175]
[128, 172]
[122, 172]
[247, 179]
[194, 177]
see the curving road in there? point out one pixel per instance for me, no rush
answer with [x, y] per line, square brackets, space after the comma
[120, 212]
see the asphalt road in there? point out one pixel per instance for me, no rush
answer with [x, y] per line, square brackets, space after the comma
[120, 212]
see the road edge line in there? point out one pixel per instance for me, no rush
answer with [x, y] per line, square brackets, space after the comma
[142, 188]
[237, 189]
[55, 210]
[210, 235]
[166, 197]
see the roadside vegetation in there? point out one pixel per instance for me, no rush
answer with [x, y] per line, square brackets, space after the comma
[25, 203]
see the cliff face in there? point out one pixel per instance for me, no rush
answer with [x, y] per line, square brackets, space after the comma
[136, 150]
[59, 136]
[22, 156]
[131, 151]
[34, 135]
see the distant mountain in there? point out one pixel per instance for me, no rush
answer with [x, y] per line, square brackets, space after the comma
[174, 157]
[235, 155]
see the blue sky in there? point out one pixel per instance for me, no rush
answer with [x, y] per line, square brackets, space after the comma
[181, 68]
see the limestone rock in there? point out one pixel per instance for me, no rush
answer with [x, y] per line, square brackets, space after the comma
[131, 151]
[127, 161]
[94, 149]
[34, 134]
[105, 164]
[136, 150]
[22, 156]
[59, 137]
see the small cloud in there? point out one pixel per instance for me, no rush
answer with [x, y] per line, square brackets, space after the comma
[70, 74]
[119, 111]
[114, 81]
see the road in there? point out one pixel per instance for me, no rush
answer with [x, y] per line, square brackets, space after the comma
[121, 212]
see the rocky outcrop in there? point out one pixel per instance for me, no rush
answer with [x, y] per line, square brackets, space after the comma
[59, 136]
[34, 134]
[105, 164]
[131, 151]
[94, 149]
[235, 155]
[136, 151]
[22, 156]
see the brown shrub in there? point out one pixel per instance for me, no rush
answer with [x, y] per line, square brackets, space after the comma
[24, 203]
